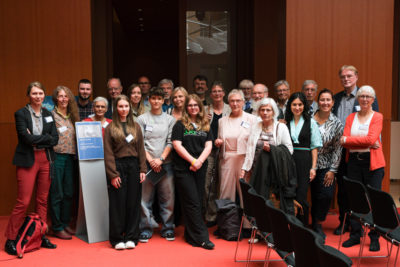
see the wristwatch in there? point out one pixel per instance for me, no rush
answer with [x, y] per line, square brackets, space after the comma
[162, 159]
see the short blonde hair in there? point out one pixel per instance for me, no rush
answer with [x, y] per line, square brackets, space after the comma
[366, 89]
[348, 67]
[236, 91]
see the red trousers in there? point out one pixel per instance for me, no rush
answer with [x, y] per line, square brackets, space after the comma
[39, 173]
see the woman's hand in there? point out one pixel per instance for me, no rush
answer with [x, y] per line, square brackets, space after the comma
[266, 146]
[242, 173]
[142, 177]
[376, 145]
[312, 174]
[218, 142]
[116, 182]
[342, 140]
[329, 178]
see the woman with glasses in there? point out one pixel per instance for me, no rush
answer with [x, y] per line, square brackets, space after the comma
[100, 106]
[366, 162]
[192, 141]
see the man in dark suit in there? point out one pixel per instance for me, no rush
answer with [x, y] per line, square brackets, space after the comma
[345, 104]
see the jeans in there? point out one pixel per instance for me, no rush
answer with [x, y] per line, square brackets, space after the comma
[166, 198]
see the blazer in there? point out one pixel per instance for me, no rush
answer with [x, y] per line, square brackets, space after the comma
[281, 136]
[338, 99]
[226, 110]
[24, 155]
[377, 160]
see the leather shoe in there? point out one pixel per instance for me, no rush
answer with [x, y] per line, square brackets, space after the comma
[374, 246]
[62, 235]
[207, 245]
[350, 242]
[10, 247]
[338, 229]
[47, 244]
[69, 230]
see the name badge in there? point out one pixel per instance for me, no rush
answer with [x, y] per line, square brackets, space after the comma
[148, 128]
[194, 125]
[48, 119]
[62, 129]
[105, 124]
[91, 116]
[245, 124]
[358, 108]
[129, 138]
[363, 127]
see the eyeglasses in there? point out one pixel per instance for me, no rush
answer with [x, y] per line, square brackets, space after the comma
[217, 92]
[114, 89]
[192, 106]
[245, 88]
[282, 90]
[365, 96]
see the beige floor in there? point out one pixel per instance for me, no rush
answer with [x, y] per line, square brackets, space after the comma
[395, 191]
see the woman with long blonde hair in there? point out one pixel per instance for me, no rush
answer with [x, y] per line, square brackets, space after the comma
[65, 115]
[192, 141]
[125, 162]
[178, 97]
[135, 96]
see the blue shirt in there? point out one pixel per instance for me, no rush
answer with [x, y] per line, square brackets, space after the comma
[316, 140]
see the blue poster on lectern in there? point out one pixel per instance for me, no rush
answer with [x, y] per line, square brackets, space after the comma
[90, 140]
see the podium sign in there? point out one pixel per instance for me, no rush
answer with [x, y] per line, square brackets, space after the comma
[93, 220]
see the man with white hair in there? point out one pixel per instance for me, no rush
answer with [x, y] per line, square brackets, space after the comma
[246, 86]
[259, 92]
[309, 89]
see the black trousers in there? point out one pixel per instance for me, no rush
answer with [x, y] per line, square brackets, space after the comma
[125, 202]
[303, 159]
[358, 169]
[321, 196]
[190, 186]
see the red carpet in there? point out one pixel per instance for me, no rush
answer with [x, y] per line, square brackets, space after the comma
[159, 252]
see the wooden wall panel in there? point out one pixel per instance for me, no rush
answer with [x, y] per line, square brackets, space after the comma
[48, 41]
[321, 36]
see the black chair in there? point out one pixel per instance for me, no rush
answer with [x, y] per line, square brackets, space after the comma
[264, 228]
[249, 213]
[386, 218]
[303, 241]
[281, 233]
[359, 209]
[330, 257]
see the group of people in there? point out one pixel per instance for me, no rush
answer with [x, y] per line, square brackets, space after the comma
[161, 141]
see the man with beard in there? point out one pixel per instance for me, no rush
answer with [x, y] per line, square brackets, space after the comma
[200, 85]
[84, 104]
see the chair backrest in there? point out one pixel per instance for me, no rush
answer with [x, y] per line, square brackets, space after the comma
[384, 211]
[331, 257]
[247, 208]
[357, 196]
[303, 240]
[280, 228]
[260, 209]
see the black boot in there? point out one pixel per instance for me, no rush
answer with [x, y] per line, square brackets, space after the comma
[339, 228]
[10, 247]
[47, 244]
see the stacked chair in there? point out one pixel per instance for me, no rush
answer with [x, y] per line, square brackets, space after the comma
[386, 218]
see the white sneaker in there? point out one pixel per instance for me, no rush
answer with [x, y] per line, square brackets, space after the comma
[130, 244]
[120, 246]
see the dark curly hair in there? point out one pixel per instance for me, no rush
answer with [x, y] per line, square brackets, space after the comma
[303, 99]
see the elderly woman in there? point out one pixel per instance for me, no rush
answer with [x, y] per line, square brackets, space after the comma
[100, 106]
[329, 155]
[192, 141]
[178, 97]
[306, 140]
[233, 134]
[266, 135]
[125, 162]
[65, 114]
[214, 111]
[361, 137]
[37, 135]
[135, 96]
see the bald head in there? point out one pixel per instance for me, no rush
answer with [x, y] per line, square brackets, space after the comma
[260, 91]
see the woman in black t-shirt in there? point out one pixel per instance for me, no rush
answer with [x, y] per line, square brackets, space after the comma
[192, 141]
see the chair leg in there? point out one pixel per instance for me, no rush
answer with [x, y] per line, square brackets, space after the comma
[341, 232]
[238, 240]
[397, 254]
[267, 252]
[251, 242]
[362, 245]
